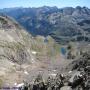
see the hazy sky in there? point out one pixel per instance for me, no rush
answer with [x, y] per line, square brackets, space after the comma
[39, 3]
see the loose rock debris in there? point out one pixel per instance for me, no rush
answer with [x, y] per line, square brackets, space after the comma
[77, 78]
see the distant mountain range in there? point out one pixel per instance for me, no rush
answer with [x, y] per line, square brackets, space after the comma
[64, 25]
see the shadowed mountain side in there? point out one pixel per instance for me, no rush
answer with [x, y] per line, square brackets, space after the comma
[64, 25]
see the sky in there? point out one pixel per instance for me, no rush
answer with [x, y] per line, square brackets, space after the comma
[39, 3]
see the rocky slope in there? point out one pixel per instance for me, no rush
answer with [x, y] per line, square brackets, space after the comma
[13, 47]
[63, 24]
[21, 54]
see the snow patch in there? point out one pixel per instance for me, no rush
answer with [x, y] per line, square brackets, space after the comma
[25, 72]
[20, 85]
[34, 52]
[15, 84]
[69, 71]
[53, 74]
